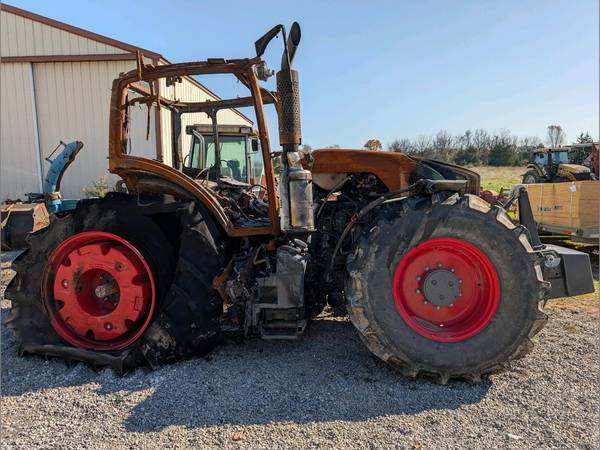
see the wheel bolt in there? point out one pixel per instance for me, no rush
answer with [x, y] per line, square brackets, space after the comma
[418, 278]
[425, 302]
[439, 265]
[108, 326]
[460, 281]
[426, 268]
[437, 307]
[65, 283]
[119, 267]
[418, 291]
[441, 324]
[450, 305]
[452, 270]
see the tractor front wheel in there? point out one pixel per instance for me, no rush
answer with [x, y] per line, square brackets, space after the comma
[450, 289]
[531, 177]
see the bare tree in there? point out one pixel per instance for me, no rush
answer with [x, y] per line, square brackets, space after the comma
[442, 145]
[555, 136]
[403, 145]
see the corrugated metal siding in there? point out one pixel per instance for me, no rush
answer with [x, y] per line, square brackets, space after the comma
[19, 156]
[73, 104]
[72, 100]
[20, 36]
[188, 92]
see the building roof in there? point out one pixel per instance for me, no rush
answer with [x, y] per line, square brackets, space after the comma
[131, 49]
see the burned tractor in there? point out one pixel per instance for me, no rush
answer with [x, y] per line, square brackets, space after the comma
[436, 281]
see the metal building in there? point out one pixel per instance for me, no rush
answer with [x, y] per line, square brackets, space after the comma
[55, 85]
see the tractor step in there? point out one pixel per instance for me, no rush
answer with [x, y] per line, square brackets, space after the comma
[282, 329]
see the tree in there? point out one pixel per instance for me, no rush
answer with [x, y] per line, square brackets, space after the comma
[442, 145]
[403, 145]
[527, 145]
[373, 144]
[584, 139]
[503, 149]
[466, 152]
[422, 146]
[555, 136]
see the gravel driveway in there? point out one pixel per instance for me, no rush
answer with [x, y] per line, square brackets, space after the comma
[324, 390]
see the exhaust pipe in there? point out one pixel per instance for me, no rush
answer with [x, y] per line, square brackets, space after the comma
[296, 182]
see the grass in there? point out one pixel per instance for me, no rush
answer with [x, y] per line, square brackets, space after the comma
[496, 178]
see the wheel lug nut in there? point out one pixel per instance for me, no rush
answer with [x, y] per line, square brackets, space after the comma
[65, 283]
[425, 302]
[426, 268]
[452, 270]
[460, 281]
[437, 307]
[441, 324]
[108, 326]
[119, 267]
[450, 305]
[418, 291]
[439, 265]
[418, 278]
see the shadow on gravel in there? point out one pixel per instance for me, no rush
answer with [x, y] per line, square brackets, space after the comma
[327, 375]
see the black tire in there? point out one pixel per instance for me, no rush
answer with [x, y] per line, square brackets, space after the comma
[117, 214]
[189, 321]
[532, 177]
[372, 308]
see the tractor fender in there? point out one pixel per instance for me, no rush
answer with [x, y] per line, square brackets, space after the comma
[143, 175]
[540, 171]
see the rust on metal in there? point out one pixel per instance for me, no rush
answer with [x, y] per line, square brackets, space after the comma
[142, 174]
[393, 169]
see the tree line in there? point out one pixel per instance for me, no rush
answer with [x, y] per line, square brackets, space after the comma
[477, 147]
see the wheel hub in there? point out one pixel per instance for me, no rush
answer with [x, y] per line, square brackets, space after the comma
[446, 289]
[441, 287]
[99, 291]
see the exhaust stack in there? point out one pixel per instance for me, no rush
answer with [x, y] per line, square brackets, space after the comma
[296, 183]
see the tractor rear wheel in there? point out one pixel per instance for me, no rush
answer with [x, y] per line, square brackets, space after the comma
[102, 285]
[446, 289]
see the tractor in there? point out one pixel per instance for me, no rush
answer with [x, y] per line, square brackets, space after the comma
[219, 245]
[553, 166]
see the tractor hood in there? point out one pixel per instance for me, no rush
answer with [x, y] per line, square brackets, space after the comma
[575, 168]
[395, 170]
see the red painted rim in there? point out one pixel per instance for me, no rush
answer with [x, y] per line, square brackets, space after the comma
[475, 303]
[99, 291]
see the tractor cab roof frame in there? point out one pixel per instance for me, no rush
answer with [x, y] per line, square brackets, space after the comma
[142, 174]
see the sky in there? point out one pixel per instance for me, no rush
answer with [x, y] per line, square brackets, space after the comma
[385, 69]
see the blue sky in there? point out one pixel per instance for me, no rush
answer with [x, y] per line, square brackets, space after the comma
[386, 69]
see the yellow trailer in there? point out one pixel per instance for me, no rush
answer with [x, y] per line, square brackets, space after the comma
[569, 208]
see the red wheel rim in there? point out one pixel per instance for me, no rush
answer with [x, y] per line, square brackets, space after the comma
[446, 289]
[99, 291]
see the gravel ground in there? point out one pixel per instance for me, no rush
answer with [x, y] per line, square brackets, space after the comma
[324, 390]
